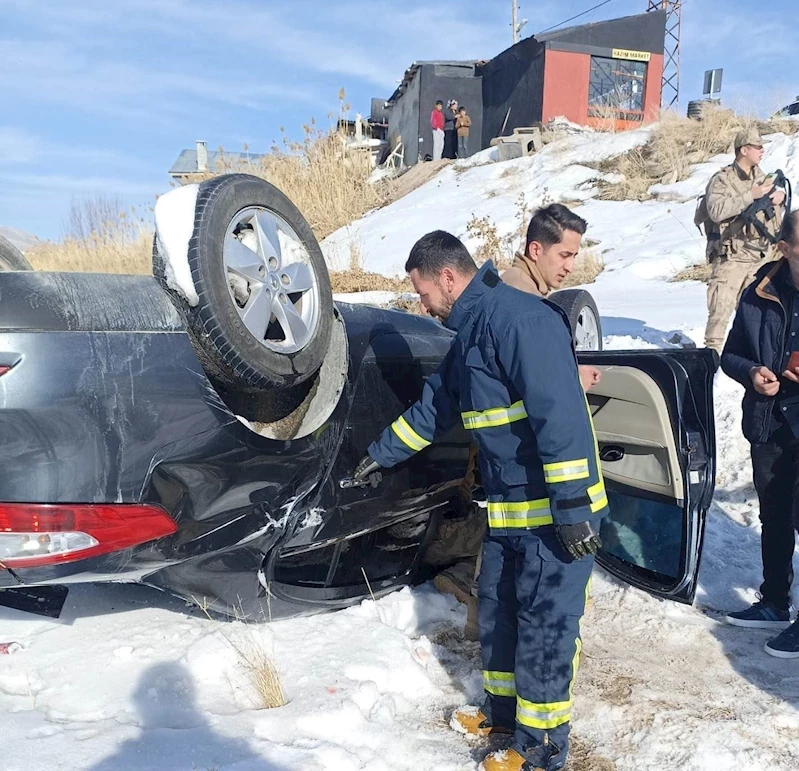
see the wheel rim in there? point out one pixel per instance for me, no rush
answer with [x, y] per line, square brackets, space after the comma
[271, 280]
[586, 335]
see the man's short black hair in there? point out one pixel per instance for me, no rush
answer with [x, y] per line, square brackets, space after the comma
[462, 107]
[790, 228]
[550, 222]
[438, 101]
[438, 250]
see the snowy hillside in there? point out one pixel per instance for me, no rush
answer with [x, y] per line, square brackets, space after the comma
[130, 679]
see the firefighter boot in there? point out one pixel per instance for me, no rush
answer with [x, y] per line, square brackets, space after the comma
[472, 721]
[544, 757]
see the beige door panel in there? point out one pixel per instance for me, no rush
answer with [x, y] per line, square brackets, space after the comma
[630, 411]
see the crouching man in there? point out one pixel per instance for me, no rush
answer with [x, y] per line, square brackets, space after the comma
[511, 378]
[762, 353]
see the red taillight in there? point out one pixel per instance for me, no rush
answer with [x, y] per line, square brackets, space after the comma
[3, 370]
[50, 534]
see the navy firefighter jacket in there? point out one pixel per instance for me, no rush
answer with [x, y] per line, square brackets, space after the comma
[511, 377]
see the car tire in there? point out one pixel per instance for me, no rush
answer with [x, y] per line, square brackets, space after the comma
[249, 248]
[584, 318]
[12, 258]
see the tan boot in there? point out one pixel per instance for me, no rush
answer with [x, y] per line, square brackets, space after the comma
[456, 581]
[538, 759]
[504, 760]
[472, 721]
[472, 630]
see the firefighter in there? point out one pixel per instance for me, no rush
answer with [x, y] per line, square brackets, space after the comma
[553, 241]
[511, 378]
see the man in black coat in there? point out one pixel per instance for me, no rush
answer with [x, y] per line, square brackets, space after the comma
[762, 353]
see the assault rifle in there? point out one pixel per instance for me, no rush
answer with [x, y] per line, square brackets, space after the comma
[766, 205]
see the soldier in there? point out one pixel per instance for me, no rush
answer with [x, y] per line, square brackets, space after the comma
[511, 378]
[737, 248]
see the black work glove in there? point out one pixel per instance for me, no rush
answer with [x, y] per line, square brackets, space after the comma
[580, 540]
[366, 466]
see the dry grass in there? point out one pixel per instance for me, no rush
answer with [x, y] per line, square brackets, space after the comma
[256, 674]
[695, 273]
[587, 266]
[99, 237]
[327, 183]
[676, 144]
[357, 280]
[261, 676]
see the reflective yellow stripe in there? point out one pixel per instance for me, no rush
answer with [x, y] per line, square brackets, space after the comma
[498, 416]
[598, 496]
[505, 514]
[409, 437]
[499, 683]
[566, 471]
[542, 715]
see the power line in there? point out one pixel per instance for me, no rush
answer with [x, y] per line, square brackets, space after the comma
[598, 5]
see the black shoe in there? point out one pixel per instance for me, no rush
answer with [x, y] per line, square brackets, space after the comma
[761, 615]
[785, 645]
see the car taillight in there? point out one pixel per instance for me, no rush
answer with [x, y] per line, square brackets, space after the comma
[4, 369]
[50, 534]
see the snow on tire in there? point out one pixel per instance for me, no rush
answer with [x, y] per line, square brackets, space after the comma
[583, 315]
[264, 305]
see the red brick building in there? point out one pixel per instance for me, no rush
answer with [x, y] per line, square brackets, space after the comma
[591, 74]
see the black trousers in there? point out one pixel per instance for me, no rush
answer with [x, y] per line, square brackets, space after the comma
[775, 464]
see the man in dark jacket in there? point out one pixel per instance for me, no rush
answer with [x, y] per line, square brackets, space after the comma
[762, 353]
[511, 378]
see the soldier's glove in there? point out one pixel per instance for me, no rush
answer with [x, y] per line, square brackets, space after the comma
[366, 467]
[580, 540]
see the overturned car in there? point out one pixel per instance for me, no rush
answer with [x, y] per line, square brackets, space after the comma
[195, 431]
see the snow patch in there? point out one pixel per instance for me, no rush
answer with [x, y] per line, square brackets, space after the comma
[174, 226]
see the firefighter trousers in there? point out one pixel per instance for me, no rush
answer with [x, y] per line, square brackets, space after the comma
[531, 598]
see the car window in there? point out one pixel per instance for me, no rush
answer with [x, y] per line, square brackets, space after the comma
[644, 531]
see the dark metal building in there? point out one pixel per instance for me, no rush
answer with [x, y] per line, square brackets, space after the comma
[410, 106]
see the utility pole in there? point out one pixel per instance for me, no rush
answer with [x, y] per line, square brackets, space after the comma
[670, 85]
[516, 25]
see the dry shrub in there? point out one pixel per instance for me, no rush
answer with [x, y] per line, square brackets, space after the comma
[501, 249]
[779, 126]
[695, 273]
[99, 237]
[492, 245]
[676, 144]
[587, 266]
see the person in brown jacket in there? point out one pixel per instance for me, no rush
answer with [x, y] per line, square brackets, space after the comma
[736, 249]
[554, 237]
[462, 124]
[553, 240]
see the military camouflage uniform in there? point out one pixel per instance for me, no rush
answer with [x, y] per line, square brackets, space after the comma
[735, 249]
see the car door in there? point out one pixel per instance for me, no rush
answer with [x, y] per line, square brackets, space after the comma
[653, 417]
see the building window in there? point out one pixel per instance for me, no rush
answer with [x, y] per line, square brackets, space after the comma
[617, 85]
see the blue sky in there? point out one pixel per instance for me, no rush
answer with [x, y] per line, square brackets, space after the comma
[99, 96]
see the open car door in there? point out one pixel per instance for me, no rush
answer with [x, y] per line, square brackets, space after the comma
[653, 416]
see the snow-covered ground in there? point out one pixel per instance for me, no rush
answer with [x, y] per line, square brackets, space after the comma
[130, 679]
